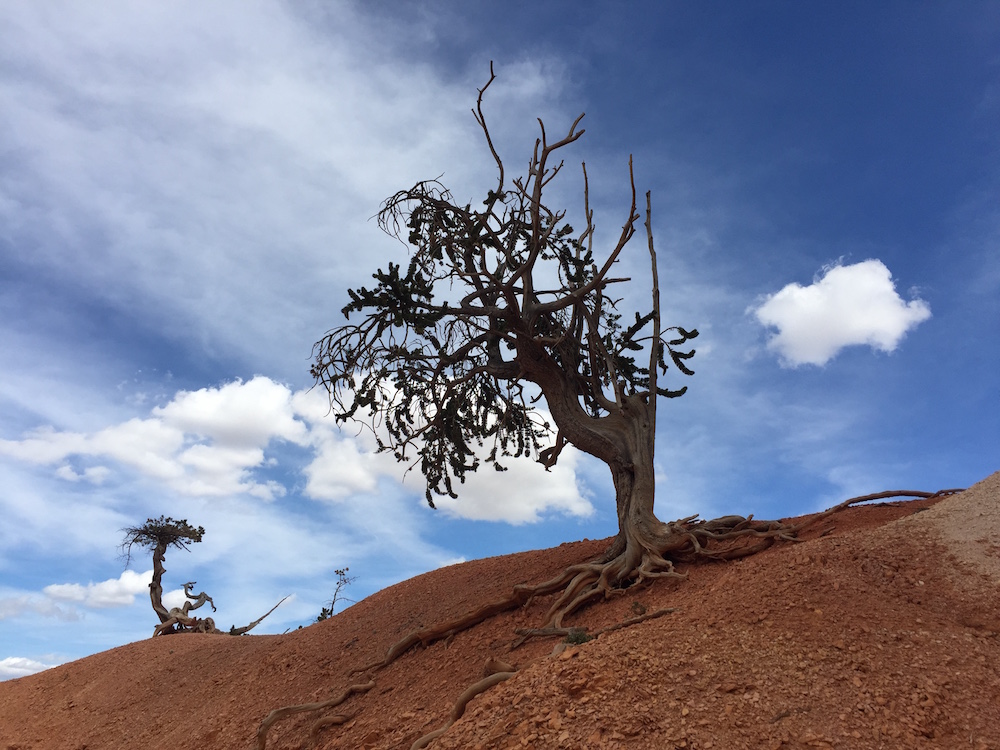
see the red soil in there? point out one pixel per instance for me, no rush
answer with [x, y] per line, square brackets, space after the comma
[880, 634]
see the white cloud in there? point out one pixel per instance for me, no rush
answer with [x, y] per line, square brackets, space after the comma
[206, 443]
[115, 592]
[522, 494]
[238, 414]
[12, 667]
[845, 306]
[92, 474]
[340, 468]
[174, 598]
[344, 467]
[202, 443]
[17, 606]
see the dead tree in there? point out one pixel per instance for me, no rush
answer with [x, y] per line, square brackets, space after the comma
[501, 306]
[498, 305]
[157, 535]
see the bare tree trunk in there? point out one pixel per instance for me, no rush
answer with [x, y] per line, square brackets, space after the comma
[156, 585]
[633, 474]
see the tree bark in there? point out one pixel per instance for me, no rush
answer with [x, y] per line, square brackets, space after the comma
[634, 479]
[625, 441]
[156, 585]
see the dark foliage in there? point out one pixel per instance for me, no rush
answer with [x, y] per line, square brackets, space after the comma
[494, 298]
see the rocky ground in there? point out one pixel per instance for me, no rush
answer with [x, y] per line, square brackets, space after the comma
[882, 633]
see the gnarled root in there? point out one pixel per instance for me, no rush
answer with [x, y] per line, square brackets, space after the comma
[463, 700]
[179, 621]
[283, 713]
[644, 555]
[632, 561]
[526, 633]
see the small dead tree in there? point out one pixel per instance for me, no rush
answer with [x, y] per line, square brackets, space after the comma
[157, 535]
[343, 581]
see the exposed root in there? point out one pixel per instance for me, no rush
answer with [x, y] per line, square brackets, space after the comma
[636, 620]
[426, 636]
[459, 708]
[498, 671]
[283, 713]
[526, 633]
[686, 540]
[180, 620]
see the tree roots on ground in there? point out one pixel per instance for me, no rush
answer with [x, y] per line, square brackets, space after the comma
[283, 713]
[684, 541]
[180, 619]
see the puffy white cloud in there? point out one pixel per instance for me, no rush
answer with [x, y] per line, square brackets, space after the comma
[237, 414]
[174, 598]
[207, 443]
[340, 469]
[522, 494]
[202, 443]
[147, 445]
[845, 306]
[115, 592]
[347, 466]
[12, 667]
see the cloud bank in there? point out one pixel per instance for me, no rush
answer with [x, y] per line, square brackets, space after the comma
[853, 305]
[224, 441]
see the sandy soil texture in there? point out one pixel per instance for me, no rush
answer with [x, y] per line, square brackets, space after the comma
[880, 631]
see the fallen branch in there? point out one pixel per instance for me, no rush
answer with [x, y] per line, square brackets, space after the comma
[875, 496]
[247, 628]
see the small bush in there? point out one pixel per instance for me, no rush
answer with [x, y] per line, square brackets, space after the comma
[577, 636]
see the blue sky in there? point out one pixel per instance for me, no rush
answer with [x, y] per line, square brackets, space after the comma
[185, 196]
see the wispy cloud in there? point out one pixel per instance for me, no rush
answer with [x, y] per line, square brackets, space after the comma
[131, 130]
[845, 306]
[17, 606]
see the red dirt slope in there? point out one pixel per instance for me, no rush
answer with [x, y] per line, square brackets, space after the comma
[881, 634]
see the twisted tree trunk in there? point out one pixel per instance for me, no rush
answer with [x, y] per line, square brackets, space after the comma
[156, 585]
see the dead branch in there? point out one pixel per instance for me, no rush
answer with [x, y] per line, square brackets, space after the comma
[255, 623]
